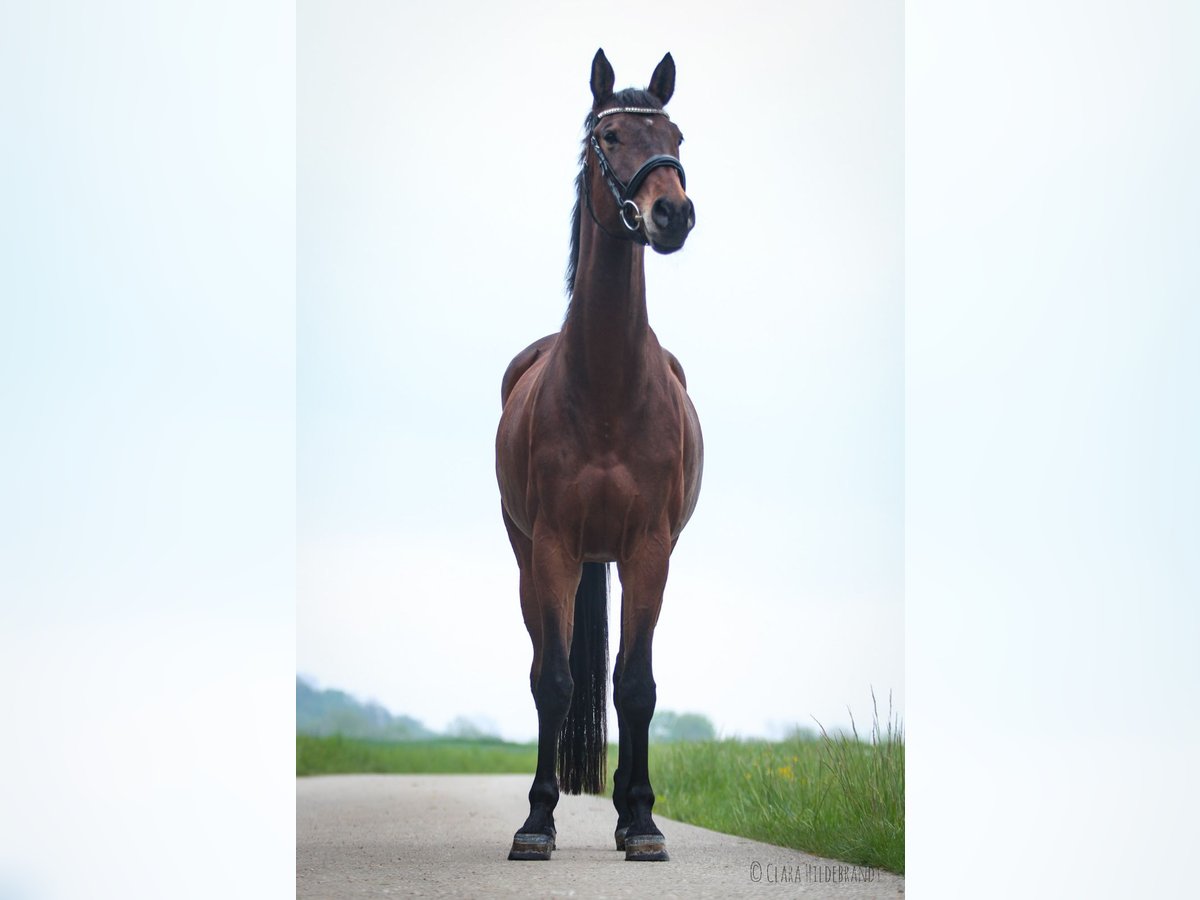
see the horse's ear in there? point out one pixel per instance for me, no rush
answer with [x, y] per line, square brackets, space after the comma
[662, 82]
[602, 78]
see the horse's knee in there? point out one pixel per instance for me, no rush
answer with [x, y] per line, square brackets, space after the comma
[637, 694]
[553, 689]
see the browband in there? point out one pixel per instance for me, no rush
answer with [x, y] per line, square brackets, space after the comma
[637, 110]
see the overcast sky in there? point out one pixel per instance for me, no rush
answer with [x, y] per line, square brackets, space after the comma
[435, 161]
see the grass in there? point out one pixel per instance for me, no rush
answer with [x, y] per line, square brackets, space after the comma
[339, 755]
[839, 796]
[836, 796]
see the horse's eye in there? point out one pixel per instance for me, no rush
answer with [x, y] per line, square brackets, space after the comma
[610, 137]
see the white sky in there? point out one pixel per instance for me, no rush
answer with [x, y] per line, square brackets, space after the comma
[435, 161]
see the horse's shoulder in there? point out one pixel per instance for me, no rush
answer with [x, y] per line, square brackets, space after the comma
[675, 366]
[521, 363]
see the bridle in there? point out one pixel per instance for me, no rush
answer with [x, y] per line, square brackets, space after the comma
[622, 192]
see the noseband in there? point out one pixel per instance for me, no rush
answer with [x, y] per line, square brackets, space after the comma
[624, 193]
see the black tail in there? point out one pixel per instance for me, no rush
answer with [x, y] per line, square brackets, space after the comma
[583, 741]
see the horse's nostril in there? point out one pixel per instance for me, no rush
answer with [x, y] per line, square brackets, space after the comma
[691, 215]
[661, 213]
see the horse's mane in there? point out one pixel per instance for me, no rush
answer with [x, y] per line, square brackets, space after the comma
[626, 97]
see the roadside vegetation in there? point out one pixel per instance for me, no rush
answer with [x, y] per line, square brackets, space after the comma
[337, 755]
[840, 796]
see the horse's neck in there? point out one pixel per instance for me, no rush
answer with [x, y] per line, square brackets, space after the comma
[606, 328]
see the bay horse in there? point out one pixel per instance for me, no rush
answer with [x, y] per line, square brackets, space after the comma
[598, 458]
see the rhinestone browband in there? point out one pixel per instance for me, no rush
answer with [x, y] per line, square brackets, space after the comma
[638, 110]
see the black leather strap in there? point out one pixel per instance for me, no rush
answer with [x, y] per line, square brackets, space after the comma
[654, 162]
[615, 184]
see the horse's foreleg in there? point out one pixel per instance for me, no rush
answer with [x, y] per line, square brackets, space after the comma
[624, 760]
[548, 593]
[642, 582]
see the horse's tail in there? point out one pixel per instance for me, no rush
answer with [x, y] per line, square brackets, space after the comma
[583, 741]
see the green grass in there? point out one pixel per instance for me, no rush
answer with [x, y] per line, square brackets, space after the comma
[838, 796]
[339, 755]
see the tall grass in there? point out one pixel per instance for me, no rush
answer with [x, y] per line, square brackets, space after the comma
[870, 778]
[836, 795]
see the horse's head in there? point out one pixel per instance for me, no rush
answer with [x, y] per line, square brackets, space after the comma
[637, 182]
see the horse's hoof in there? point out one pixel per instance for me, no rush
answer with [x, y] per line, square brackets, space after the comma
[645, 848]
[620, 836]
[531, 846]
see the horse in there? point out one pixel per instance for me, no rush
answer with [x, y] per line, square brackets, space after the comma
[598, 458]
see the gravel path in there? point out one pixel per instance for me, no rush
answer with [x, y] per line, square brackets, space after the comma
[448, 836]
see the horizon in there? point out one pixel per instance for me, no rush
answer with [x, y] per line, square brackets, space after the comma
[490, 729]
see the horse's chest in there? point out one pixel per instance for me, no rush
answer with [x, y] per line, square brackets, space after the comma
[607, 492]
[644, 440]
[612, 507]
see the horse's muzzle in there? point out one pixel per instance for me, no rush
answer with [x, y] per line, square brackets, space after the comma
[669, 223]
